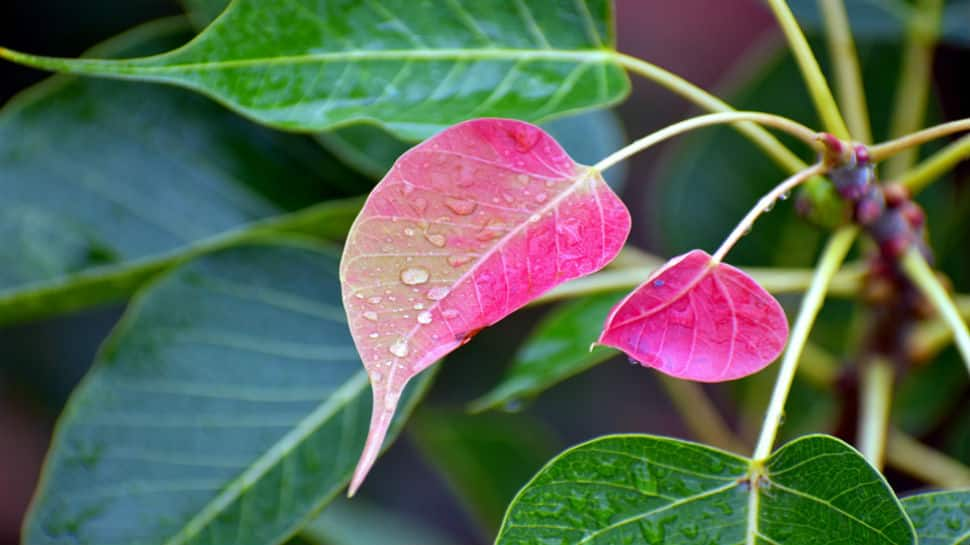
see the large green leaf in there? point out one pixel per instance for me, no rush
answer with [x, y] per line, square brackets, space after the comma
[483, 458]
[557, 349]
[638, 489]
[227, 406]
[412, 66]
[105, 183]
[940, 518]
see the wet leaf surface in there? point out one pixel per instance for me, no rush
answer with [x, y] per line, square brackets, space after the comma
[940, 518]
[699, 320]
[467, 227]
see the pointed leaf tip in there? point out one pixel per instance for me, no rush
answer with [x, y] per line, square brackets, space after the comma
[465, 228]
[699, 320]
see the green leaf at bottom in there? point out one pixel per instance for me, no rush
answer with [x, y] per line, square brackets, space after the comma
[638, 489]
[226, 408]
[940, 518]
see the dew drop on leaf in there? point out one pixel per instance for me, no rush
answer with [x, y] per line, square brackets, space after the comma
[424, 318]
[459, 260]
[450, 313]
[413, 276]
[437, 294]
[436, 239]
[461, 207]
[371, 315]
[400, 348]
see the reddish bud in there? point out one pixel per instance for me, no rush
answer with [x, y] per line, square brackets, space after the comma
[895, 194]
[913, 213]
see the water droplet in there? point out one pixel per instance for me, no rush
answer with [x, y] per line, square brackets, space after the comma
[486, 235]
[541, 197]
[400, 348]
[407, 188]
[390, 401]
[436, 239]
[359, 295]
[371, 315]
[632, 361]
[408, 231]
[534, 218]
[424, 318]
[437, 294]
[413, 276]
[462, 207]
[375, 300]
[374, 335]
[458, 260]
[522, 178]
[376, 376]
[450, 313]
[418, 306]
[954, 523]
[513, 406]
[784, 196]
[770, 206]
[526, 137]
[658, 283]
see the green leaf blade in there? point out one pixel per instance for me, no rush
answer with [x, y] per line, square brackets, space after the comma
[412, 68]
[227, 407]
[940, 518]
[644, 490]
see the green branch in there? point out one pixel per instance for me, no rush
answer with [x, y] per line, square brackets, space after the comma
[877, 389]
[832, 257]
[917, 178]
[920, 273]
[818, 87]
[848, 76]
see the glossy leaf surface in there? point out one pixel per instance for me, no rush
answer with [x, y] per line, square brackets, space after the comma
[699, 320]
[557, 349]
[356, 522]
[644, 490]
[889, 20]
[483, 458]
[940, 518]
[226, 408]
[414, 67]
[103, 184]
[467, 227]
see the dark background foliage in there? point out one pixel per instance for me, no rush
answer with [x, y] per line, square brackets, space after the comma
[709, 43]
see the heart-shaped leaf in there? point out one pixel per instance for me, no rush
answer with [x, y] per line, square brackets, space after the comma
[698, 319]
[940, 518]
[412, 66]
[644, 490]
[466, 228]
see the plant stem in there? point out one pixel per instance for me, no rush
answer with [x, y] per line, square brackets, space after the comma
[877, 388]
[931, 337]
[914, 80]
[763, 205]
[916, 179]
[699, 414]
[909, 455]
[762, 138]
[848, 77]
[922, 275]
[833, 255]
[889, 148]
[796, 129]
[845, 283]
[818, 87]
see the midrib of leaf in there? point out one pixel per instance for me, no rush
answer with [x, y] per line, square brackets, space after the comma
[147, 65]
[237, 487]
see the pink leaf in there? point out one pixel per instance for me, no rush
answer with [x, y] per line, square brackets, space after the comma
[467, 227]
[698, 320]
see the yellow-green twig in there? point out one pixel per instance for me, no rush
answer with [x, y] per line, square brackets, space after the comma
[848, 77]
[917, 178]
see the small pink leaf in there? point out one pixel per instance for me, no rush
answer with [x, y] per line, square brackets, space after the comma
[467, 227]
[699, 320]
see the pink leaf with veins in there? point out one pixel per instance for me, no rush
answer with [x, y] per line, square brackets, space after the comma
[698, 320]
[467, 227]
